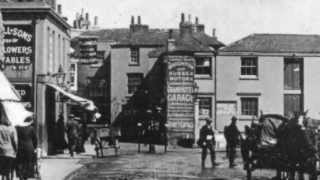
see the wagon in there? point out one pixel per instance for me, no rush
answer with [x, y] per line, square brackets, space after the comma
[278, 144]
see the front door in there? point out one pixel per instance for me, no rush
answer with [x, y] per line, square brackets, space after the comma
[293, 86]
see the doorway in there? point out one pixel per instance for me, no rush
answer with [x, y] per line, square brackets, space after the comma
[50, 119]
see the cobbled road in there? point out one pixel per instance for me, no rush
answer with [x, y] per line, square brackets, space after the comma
[176, 164]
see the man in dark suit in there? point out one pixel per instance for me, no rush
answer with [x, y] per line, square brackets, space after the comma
[232, 135]
[72, 130]
[207, 141]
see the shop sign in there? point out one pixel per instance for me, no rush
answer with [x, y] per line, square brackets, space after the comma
[180, 98]
[18, 48]
[25, 92]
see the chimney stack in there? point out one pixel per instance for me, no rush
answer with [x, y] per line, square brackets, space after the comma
[197, 21]
[139, 20]
[189, 18]
[59, 9]
[54, 4]
[132, 20]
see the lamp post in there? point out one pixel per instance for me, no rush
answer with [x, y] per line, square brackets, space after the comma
[196, 111]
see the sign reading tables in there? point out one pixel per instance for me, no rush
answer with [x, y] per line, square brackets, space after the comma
[18, 51]
[180, 100]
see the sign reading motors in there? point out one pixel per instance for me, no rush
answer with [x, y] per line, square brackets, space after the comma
[18, 47]
[180, 89]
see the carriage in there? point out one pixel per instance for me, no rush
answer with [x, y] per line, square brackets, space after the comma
[288, 146]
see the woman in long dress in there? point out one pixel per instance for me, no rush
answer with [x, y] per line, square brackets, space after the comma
[8, 148]
[26, 157]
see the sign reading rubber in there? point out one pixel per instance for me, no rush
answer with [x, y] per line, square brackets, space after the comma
[180, 100]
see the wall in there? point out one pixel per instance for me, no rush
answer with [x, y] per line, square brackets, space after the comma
[268, 86]
[311, 86]
[119, 68]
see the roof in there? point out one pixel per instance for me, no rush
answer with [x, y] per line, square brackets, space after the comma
[153, 37]
[276, 43]
[33, 7]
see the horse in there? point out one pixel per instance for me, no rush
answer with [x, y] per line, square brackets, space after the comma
[279, 143]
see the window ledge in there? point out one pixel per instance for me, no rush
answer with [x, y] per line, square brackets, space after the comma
[246, 117]
[249, 78]
[208, 77]
[134, 64]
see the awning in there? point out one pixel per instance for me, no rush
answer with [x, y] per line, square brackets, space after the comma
[85, 103]
[10, 100]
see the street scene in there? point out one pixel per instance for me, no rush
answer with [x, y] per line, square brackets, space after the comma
[144, 89]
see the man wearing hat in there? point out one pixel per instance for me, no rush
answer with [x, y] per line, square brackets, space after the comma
[72, 130]
[207, 141]
[232, 135]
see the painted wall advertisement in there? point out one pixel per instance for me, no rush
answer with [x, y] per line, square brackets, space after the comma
[18, 51]
[180, 100]
[25, 91]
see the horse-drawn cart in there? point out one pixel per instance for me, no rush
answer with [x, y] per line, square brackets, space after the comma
[104, 137]
[284, 145]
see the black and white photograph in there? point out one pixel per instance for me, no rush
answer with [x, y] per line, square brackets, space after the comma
[159, 90]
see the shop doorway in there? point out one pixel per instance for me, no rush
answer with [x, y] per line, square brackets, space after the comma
[50, 119]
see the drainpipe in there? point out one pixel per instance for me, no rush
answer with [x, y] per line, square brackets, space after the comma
[215, 87]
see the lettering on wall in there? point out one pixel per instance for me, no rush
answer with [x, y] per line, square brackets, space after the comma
[18, 48]
[180, 98]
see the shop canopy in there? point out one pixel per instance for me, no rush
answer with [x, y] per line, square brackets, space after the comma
[13, 108]
[83, 102]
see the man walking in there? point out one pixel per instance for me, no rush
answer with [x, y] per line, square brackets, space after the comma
[72, 130]
[232, 135]
[207, 141]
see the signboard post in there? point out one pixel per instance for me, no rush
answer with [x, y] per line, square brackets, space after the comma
[180, 100]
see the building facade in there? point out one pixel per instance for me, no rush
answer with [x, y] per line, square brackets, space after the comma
[273, 73]
[36, 61]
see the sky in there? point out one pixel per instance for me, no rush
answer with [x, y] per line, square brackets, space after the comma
[232, 19]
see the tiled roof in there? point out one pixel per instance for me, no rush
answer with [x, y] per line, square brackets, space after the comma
[156, 37]
[276, 43]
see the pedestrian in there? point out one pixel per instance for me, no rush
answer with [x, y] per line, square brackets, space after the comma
[26, 156]
[82, 135]
[72, 130]
[232, 135]
[207, 141]
[60, 140]
[8, 148]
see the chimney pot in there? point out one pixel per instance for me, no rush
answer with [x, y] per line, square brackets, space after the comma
[214, 32]
[170, 33]
[189, 18]
[96, 21]
[197, 21]
[54, 4]
[139, 20]
[59, 9]
[182, 17]
[87, 16]
[132, 20]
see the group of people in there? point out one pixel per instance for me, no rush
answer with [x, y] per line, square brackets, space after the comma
[17, 149]
[207, 141]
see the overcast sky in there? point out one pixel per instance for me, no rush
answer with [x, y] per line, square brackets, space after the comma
[233, 19]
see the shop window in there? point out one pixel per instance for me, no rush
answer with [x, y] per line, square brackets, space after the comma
[134, 52]
[203, 66]
[249, 67]
[205, 107]
[249, 106]
[134, 82]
